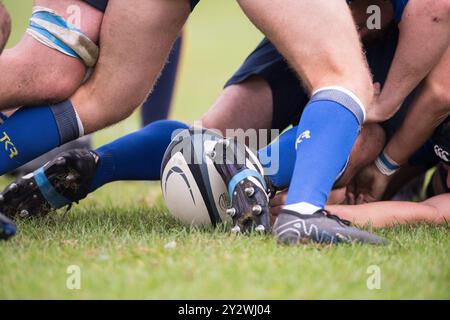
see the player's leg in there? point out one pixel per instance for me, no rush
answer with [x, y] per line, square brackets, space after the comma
[7, 227]
[256, 104]
[121, 81]
[329, 53]
[5, 27]
[112, 161]
[73, 174]
[331, 63]
[33, 73]
[367, 147]
[133, 53]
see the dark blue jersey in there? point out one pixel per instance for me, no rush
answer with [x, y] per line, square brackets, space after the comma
[399, 7]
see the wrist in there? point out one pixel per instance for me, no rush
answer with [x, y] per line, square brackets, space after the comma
[387, 106]
[386, 165]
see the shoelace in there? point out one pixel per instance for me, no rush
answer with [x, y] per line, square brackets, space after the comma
[336, 218]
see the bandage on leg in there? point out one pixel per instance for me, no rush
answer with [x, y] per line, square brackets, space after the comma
[50, 29]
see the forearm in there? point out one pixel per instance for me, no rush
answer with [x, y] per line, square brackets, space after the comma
[388, 213]
[418, 51]
[5, 26]
[442, 205]
[431, 106]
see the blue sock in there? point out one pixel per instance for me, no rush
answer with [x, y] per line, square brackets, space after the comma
[33, 131]
[283, 148]
[137, 156]
[328, 129]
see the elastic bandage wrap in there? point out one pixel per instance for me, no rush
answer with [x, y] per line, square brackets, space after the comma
[50, 29]
[386, 165]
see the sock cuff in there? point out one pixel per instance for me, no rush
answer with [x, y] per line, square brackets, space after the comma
[67, 120]
[345, 98]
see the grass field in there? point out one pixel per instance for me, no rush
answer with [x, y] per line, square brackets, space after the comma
[118, 236]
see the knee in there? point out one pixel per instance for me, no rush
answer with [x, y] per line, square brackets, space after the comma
[5, 26]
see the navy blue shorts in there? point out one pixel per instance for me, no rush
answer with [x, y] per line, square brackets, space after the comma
[102, 4]
[289, 97]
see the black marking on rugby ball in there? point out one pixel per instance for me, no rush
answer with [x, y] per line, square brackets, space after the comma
[180, 172]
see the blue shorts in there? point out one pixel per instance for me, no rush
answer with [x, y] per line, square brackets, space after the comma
[102, 4]
[289, 97]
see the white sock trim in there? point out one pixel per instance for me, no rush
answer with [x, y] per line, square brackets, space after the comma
[80, 124]
[347, 92]
[303, 208]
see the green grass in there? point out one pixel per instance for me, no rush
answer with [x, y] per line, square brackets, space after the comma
[118, 235]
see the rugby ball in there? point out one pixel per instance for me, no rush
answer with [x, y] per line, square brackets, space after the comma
[193, 189]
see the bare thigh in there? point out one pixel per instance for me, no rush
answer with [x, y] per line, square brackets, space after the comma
[136, 38]
[32, 73]
[247, 105]
[318, 38]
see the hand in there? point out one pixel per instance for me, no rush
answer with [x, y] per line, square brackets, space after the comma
[367, 186]
[277, 203]
[381, 109]
[375, 110]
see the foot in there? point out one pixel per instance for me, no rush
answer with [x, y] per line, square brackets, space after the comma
[247, 188]
[81, 143]
[292, 228]
[59, 183]
[7, 228]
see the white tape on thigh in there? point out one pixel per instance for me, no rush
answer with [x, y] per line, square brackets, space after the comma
[52, 30]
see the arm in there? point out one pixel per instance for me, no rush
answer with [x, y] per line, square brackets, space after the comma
[430, 107]
[435, 210]
[5, 27]
[418, 50]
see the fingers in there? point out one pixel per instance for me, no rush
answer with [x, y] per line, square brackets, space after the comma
[279, 199]
[361, 199]
[350, 193]
[275, 211]
[277, 203]
[351, 198]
